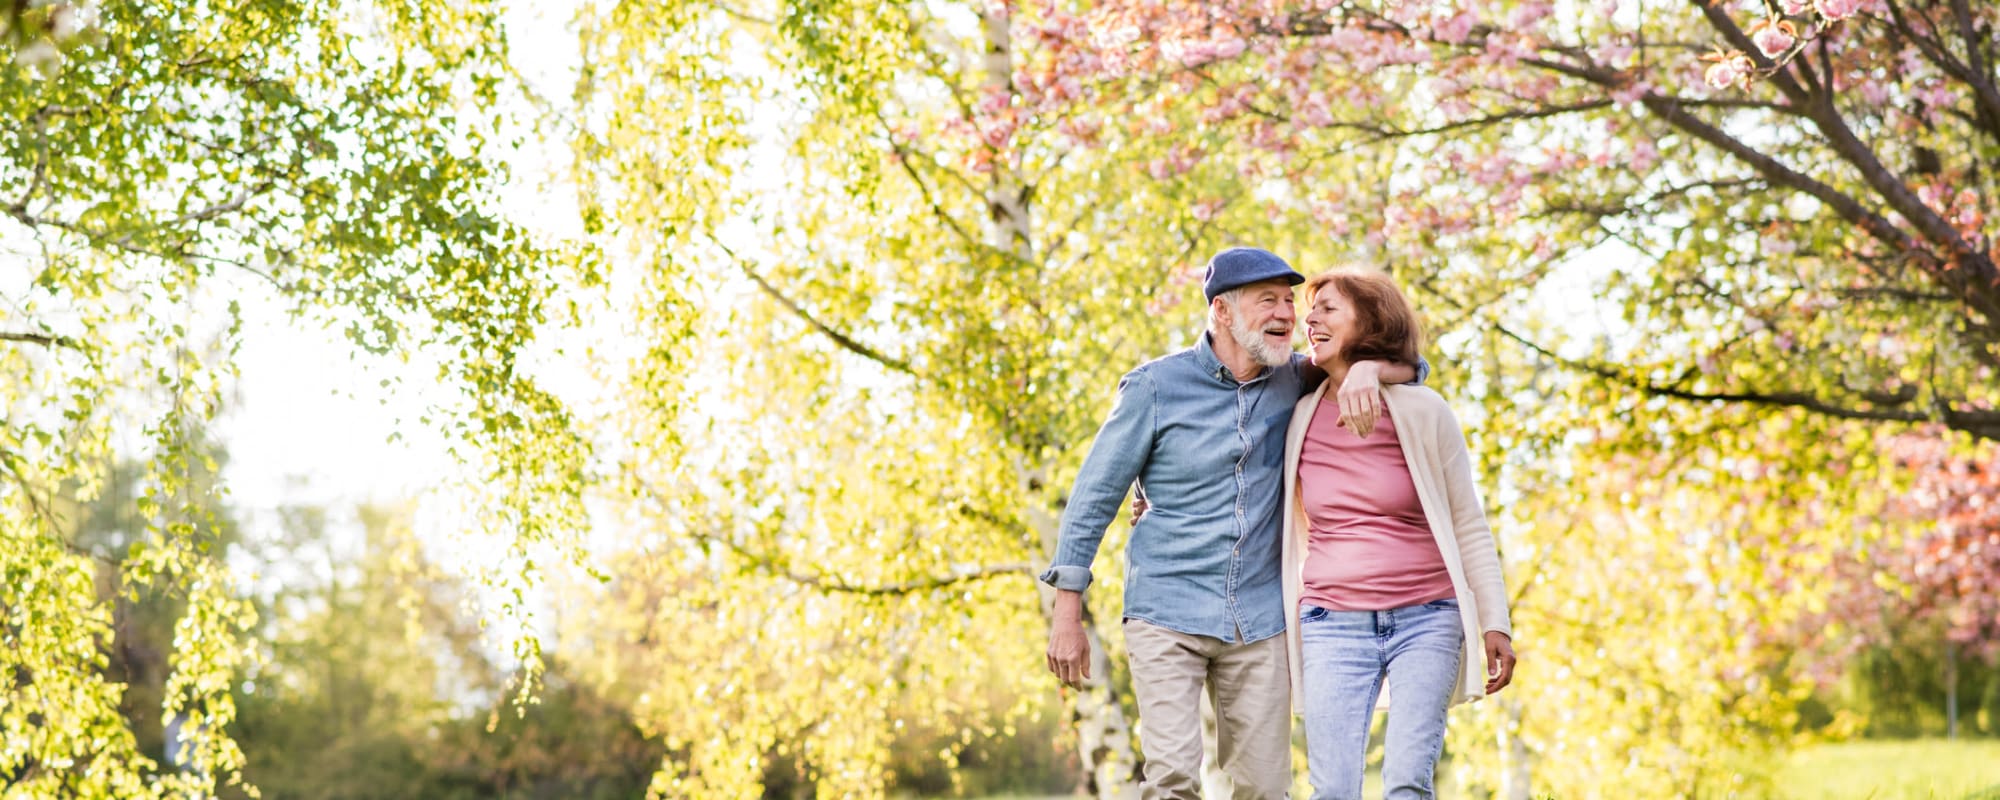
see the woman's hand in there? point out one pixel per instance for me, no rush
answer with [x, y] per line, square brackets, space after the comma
[1499, 661]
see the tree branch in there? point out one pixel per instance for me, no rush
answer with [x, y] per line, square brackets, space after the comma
[45, 340]
[917, 586]
[845, 341]
[777, 566]
[1971, 273]
[1974, 75]
[1982, 79]
[1983, 424]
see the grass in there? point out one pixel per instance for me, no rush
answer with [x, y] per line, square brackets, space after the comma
[1920, 769]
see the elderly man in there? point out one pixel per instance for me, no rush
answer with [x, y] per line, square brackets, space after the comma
[1202, 433]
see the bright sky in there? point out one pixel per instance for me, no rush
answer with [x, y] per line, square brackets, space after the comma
[310, 422]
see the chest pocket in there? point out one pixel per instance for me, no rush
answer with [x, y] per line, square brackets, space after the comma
[1270, 433]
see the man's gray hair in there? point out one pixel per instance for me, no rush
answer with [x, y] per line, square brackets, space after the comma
[1234, 297]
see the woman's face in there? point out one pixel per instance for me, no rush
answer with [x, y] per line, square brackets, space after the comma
[1328, 324]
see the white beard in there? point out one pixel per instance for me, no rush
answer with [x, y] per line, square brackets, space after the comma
[1252, 342]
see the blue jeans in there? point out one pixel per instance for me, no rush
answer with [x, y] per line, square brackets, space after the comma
[1347, 655]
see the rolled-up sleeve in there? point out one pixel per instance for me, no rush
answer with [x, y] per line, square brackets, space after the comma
[1117, 457]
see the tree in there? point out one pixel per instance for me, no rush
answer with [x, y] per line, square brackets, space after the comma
[378, 681]
[1952, 560]
[1820, 238]
[1927, 583]
[1816, 238]
[1670, 602]
[161, 166]
[889, 313]
[946, 225]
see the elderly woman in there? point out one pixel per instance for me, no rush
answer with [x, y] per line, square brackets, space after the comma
[1388, 561]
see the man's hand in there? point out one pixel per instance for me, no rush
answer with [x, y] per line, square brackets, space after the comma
[1069, 649]
[1499, 661]
[1361, 398]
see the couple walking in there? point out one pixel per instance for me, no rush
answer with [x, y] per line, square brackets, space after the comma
[1296, 553]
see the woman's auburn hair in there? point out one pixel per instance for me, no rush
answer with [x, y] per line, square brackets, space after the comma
[1386, 327]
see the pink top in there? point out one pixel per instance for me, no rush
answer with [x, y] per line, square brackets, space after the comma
[1369, 546]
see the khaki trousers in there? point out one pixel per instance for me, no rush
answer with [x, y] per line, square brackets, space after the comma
[1250, 686]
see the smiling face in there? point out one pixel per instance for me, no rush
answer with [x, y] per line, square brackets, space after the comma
[1356, 315]
[1329, 325]
[1260, 318]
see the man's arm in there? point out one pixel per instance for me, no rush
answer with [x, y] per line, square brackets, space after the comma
[1116, 458]
[1392, 372]
[1360, 396]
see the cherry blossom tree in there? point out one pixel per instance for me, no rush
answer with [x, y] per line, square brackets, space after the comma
[1776, 203]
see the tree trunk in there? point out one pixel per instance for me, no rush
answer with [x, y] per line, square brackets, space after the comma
[1514, 775]
[1950, 689]
[1104, 736]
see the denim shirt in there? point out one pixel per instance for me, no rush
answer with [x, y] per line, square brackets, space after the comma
[1207, 452]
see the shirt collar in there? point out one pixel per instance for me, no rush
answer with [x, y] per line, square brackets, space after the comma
[1212, 366]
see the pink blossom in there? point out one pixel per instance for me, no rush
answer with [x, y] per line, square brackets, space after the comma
[997, 133]
[1794, 7]
[1314, 112]
[1773, 244]
[1631, 91]
[1507, 50]
[1527, 14]
[1937, 96]
[1195, 54]
[1932, 195]
[1773, 40]
[995, 100]
[1068, 88]
[1836, 10]
[980, 160]
[1079, 129]
[1910, 61]
[1117, 63]
[1614, 53]
[1230, 48]
[1456, 29]
[1115, 36]
[1875, 93]
[1969, 221]
[1730, 69]
[1347, 38]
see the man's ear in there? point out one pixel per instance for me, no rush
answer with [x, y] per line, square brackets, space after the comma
[1218, 310]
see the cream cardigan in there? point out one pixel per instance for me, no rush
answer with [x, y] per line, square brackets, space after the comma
[1434, 446]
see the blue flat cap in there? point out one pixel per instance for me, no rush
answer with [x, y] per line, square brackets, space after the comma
[1242, 266]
